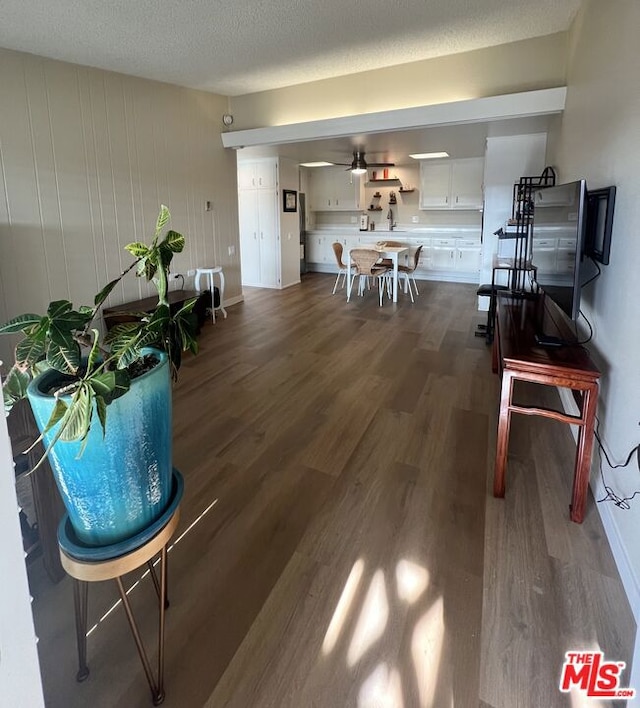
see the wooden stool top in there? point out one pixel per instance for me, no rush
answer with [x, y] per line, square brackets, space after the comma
[91, 571]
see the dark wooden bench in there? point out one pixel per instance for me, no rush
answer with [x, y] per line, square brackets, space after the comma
[125, 312]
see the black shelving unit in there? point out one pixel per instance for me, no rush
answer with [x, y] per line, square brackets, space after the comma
[520, 226]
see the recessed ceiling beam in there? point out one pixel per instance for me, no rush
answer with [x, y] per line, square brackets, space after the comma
[513, 105]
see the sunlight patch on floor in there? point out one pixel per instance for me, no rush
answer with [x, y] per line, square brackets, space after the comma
[372, 621]
[342, 608]
[426, 650]
[412, 580]
[382, 689]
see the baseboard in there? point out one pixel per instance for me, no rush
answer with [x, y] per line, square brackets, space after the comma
[229, 301]
[606, 513]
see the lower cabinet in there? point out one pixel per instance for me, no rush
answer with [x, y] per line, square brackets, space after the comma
[455, 259]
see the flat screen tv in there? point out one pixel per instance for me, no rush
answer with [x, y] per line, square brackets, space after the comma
[561, 213]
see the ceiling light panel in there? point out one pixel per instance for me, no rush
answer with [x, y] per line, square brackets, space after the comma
[428, 155]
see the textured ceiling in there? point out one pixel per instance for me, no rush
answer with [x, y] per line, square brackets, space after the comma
[234, 47]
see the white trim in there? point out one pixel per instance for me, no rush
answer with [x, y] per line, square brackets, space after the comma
[20, 682]
[618, 549]
[475, 110]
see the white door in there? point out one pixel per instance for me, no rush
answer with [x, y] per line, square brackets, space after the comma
[269, 247]
[249, 235]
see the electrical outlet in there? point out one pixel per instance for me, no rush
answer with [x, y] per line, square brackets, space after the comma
[191, 272]
[415, 219]
[232, 250]
[208, 205]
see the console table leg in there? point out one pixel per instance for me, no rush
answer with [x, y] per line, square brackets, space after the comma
[504, 425]
[583, 455]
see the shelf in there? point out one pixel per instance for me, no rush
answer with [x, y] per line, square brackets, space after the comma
[390, 179]
[374, 209]
[406, 191]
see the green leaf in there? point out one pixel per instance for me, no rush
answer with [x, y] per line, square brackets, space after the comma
[71, 320]
[20, 323]
[165, 256]
[57, 414]
[137, 249]
[159, 319]
[63, 352]
[150, 269]
[105, 292]
[101, 408]
[78, 418]
[31, 349]
[174, 241]
[163, 219]
[110, 385]
[15, 387]
[94, 352]
[58, 308]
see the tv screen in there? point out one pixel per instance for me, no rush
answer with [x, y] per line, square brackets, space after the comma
[560, 213]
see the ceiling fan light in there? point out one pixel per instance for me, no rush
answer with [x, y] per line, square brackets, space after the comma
[358, 165]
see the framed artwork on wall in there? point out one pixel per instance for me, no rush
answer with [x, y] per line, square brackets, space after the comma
[289, 200]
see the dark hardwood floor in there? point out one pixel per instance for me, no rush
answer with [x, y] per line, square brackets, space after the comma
[344, 548]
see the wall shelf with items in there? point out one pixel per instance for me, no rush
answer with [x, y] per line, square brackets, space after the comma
[406, 191]
[375, 204]
[389, 179]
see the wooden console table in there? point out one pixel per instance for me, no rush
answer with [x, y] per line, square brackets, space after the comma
[518, 358]
[125, 312]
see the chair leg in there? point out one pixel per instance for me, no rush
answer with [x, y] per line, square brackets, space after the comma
[415, 285]
[353, 277]
[335, 285]
[408, 283]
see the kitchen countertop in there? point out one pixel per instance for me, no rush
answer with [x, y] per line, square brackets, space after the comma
[407, 231]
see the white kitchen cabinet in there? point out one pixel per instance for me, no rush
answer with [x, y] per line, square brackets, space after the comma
[335, 189]
[259, 238]
[454, 256]
[468, 253]
[443, 253]
[258, 174]
[451, 184]
[320, 249]
[466, 183]
[435, 185]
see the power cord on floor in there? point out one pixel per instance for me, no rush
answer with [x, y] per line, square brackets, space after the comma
[620, 502]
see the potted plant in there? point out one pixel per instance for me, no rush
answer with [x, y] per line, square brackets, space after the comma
[114, 475]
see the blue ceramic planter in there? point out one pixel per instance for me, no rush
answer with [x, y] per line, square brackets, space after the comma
[121, 483]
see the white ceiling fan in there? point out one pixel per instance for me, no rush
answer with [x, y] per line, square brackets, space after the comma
[359, 165]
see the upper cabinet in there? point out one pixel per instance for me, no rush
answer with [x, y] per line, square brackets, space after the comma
[335, 189]
[451, 184]
[259, 174]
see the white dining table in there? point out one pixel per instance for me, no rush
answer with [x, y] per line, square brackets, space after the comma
[391, 252]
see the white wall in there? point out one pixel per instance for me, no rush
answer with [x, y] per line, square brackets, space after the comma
[20, 683]
[86, 159]
[506, 160]
[289, 226]
[599, 139]
[517, 66]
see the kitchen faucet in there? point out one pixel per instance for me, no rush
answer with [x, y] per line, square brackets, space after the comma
[390, 218]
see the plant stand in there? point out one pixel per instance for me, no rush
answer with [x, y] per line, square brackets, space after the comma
[91, 564]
